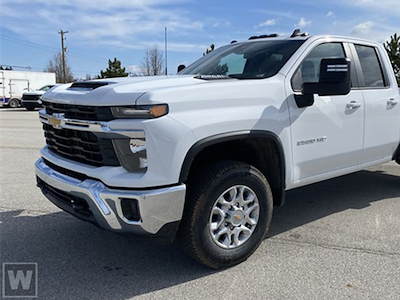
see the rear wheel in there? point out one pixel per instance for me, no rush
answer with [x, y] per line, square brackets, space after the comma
[227, 214]
[14, 103]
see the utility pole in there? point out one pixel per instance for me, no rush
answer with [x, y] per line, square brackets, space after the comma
[63, 49]
[166, 52]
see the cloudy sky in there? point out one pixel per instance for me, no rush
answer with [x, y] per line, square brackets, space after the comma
[103, 29]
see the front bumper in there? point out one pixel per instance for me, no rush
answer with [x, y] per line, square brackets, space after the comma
[90, 200]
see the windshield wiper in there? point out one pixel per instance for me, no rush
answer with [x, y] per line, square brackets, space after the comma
[219, 77]
[212, 77]
[241, 76]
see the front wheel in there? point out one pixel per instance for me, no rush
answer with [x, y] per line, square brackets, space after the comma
[227, 214]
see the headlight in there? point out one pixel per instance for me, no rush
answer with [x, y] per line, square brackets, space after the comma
[132, 154]
[140, 111]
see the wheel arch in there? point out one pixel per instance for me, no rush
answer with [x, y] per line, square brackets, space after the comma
[262, 149]
[396, 155]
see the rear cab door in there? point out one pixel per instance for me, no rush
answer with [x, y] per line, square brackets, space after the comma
[381, 102]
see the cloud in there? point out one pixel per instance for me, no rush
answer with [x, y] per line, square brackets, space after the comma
[269, 22]
[391, 7]
[303, 23]
[363, 28]
[135, 69]
[101, 5]
[101, 21]
[330, 14]
[215, 23]
[284, 15]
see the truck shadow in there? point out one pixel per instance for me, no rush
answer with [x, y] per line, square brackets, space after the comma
[313, 202]
[79, 261]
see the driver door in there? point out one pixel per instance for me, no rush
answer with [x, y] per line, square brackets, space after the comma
[327, 136]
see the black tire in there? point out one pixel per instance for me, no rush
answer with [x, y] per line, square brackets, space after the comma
[30, 108]
[203, 193]
[13, 103]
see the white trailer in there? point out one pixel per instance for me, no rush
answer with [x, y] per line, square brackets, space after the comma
[14, 83]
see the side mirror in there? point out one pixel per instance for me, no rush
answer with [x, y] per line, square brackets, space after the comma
[334, 80]
[181, 67]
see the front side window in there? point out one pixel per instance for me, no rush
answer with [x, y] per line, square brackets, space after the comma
[308, 70]
[370, 66]
[249, 60]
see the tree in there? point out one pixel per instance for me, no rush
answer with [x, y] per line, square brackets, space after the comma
[220, 70]
[152, 62]
[114, 70]
[55, 65]
[212, 48]
[393, 49]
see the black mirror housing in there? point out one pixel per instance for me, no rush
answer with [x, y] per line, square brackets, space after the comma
[334, 77]
[334, 80]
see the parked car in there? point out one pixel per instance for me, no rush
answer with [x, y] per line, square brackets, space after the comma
[31, 100]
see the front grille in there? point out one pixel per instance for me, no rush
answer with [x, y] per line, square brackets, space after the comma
[80, 112]
[30, 97]
[81, 146]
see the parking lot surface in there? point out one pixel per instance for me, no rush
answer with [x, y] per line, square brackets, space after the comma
[339, 239]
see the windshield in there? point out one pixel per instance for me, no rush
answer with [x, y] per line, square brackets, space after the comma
[253, 60]
[46, 87]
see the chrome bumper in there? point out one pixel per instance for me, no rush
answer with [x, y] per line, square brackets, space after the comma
[158, 207]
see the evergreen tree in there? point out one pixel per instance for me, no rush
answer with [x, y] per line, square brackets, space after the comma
[393, 49]
[114, 70]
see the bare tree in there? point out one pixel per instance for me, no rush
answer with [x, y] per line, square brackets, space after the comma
[152, 62]
[55, 65]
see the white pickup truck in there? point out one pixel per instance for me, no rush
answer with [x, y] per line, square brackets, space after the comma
[208, 152]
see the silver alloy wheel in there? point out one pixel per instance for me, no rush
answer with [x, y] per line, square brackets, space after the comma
[234, 217]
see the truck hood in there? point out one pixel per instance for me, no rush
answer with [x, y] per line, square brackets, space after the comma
[34, 93]
[115, 91]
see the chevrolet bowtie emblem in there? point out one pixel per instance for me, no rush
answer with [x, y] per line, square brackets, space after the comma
[237, 217]
[55, 120]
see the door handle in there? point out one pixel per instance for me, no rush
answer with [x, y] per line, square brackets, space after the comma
[392, 102]
[353, 105]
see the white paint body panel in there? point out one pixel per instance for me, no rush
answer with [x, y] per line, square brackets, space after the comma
[199, 109]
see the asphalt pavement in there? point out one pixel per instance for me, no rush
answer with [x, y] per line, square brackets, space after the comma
[339, 239]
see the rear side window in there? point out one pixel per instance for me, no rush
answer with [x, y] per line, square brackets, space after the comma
[370, 67]
[308, 70]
